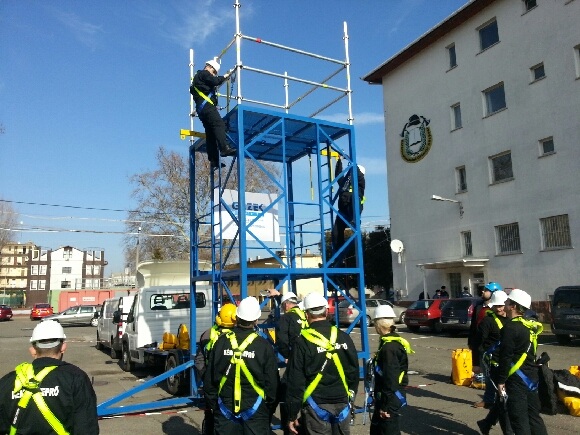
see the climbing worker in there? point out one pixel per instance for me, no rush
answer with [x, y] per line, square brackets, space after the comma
[324, 374]
[479, 312]
[47, 396]
[204, 90]
[487, 341]
[390, 365]
[225, 320]
[518, 372]
[241, 380]
[346, 202]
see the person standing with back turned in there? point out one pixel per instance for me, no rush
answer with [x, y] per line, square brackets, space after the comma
[48, 396]
[204, 91]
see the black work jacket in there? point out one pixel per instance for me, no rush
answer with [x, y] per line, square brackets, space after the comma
[306, 361]
[260, 361]
[515, 340]
[207, 83]
[345, 185]
[488, 334]
[392, 361]
[287, 332]
[67, 392]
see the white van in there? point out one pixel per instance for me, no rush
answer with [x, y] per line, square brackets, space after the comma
[112, 321]
[160, 309]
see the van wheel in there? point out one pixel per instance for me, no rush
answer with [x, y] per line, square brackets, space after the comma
[94, 322]
[114, 354]
[563, 338]
[99, 345]
[368, 321]
[126, 363]
[175, 384]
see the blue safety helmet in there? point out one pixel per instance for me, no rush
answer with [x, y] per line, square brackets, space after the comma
[493, 286]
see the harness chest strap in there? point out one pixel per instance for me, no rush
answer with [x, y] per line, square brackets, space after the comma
[214, 334]
[29, 382]
[535, 329]
[300, 313]
[408, 350]
[207, 98]
[240, 366]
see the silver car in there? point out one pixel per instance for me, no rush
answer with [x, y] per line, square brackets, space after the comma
[347, 312]
[77, 315]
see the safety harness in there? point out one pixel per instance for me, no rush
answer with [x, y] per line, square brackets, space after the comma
[240, 365]
[535, 329]
[214, 334]
[29, 382]
[488, 354]
[206, 98]
[348, 183]
[300, 313]
[377, 368]
[329, 345]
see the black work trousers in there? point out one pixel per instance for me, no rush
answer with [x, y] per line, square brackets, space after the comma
[258, 424]
[215, 131]
[523, 408]
[498, 411]
[385, 426]
[313, 425]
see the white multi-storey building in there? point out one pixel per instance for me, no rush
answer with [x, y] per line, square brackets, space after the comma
[483, 111]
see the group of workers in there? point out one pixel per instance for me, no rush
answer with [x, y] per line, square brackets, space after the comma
[503, 340]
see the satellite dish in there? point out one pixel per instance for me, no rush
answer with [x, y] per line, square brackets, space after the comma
[397, 246]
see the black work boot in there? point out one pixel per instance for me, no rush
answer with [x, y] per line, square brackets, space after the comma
[484, 427]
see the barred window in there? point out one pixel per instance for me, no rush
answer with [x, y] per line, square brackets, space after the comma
[508, 238]
[467, 248]
[556, 232]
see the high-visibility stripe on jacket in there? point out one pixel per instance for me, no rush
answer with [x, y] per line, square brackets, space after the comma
[28, 381]
[300, 313]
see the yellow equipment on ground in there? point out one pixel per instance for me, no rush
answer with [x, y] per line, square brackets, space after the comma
[461, 367]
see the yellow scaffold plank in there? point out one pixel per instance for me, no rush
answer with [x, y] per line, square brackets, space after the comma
[187, 133]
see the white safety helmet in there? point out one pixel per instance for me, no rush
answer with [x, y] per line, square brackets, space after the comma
[301, 305]
[520, 297]
[315, 302]
[289, 295]
[384, 312]
[50, 332]
[497, 298]
[214, 65]
[249, 309]
[361, 168]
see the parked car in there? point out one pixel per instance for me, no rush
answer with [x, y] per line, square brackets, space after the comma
[40, 311]
[77, 315]
[332, 303]
[425, 312]
[5, 312]
[456, 314]
[347, 312]
[566, 313]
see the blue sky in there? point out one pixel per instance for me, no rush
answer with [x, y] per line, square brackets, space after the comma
[90, 90]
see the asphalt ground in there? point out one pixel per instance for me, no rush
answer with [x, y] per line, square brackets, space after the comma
[435, 405]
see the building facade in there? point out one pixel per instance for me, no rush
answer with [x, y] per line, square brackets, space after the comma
[14, 270]
[483, 148]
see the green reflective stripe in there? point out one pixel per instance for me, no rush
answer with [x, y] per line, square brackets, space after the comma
[320, 340]
[27, 380]
[535, 329]
[300, 314]
[496, 318]
[202, 95]
[401, 377]
[240, 365]
[214, 334]
[400, 340]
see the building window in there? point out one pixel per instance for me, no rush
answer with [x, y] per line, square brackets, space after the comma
[537, 72]
[33, 284]
[456, 116]
[42, 270]
[96, 270]
[508, 239]
[67, 253]
[65, 284]
[577, 60]
[556, 232]
[467, 248]
[547, 146]
[461, 179]
[494, 99]
[530, 4]
[452, 56]
[501, 167]
[41, 284]
[488, 35]
[66, 269]
[34, 270]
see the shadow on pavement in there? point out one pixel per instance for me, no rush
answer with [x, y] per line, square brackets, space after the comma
[420, 421]
[176, 425]
[422, 392]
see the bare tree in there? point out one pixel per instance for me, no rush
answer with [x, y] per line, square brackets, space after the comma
[163, 204]
[8, 221]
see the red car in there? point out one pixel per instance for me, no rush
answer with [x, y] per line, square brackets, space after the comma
[425, 312]
[5, 312]
[41, 310]
[332, 300]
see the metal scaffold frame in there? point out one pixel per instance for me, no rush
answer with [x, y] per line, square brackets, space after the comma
[280, 144]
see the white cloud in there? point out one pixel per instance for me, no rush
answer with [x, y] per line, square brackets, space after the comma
[87, 33]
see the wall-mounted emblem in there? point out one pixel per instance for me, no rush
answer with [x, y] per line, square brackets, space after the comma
[416, 139]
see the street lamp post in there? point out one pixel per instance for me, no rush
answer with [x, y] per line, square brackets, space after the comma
[137, 250]
[440, 198]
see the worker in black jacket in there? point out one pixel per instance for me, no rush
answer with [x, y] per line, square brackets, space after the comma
[390, 365]
[204, 90]
[324, 374]
[517, 372]
[63, 388]
[241, 379]
[487, 342]
[346, 202]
